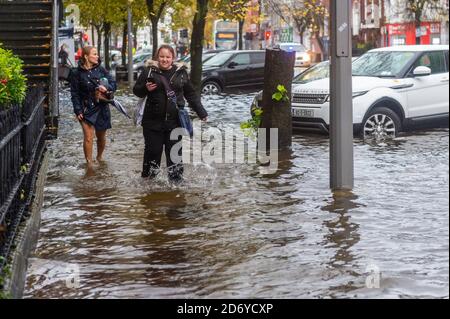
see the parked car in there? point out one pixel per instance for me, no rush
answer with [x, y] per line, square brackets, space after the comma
[302, 57]
[205, 57]
[138, 66]
[316, 72]
[393, 88]
[233, 69]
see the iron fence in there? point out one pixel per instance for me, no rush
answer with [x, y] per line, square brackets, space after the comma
[22, 144]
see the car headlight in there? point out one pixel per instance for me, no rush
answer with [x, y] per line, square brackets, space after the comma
[356, 94]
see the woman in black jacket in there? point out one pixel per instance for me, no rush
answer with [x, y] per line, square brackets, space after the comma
[87, 82]
[161, 117]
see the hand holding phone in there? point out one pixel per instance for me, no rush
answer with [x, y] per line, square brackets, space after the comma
[151, 86]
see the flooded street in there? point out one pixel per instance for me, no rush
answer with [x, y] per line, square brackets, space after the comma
[229, 232]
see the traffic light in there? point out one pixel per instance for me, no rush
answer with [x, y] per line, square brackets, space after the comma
[268, 34]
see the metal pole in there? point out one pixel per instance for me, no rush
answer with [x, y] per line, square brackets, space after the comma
[54, 104]
[341, 108]
[130, 47]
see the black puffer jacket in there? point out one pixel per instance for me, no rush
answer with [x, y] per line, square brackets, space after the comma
[158, 114]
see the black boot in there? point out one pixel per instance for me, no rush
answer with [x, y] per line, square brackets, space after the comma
[145, 170]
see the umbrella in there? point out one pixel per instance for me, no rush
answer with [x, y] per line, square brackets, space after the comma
[119, 107]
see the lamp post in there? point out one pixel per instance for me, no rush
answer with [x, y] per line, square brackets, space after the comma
[341, 107]
[130, 45]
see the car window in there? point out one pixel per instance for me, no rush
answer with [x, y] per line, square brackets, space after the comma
[258, 58]
[434, 60]
[242, 59]
[382, 63]
[218, 60]
[317, 72]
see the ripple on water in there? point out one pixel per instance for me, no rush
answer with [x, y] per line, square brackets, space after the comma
[228, 231]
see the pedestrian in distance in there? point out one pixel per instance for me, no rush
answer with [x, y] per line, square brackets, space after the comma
[91, 89]
[160, 116]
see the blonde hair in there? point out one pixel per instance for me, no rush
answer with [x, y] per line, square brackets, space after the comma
[85, 51]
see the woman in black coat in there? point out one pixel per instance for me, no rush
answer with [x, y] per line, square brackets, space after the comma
[161, 117]
[93, 113]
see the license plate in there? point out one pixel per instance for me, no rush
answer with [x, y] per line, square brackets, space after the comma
[302, 113]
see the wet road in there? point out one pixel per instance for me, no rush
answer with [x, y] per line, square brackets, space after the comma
[229, 232]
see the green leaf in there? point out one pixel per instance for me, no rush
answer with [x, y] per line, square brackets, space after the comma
[277, 96]
[281, 88]
[258, 112]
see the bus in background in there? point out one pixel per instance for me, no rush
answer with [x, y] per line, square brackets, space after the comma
[226, 35]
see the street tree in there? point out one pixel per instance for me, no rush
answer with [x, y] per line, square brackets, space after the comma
[156, 8]
[233, 10]
[198, 36]
[418, 9]
[308, 15]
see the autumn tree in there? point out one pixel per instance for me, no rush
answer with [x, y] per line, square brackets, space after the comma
[419, 8]
[156, 8]
[198, 35]
[308, 15]
[233, 10]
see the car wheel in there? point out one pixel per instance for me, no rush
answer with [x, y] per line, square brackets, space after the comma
[211, 88]
[381, 124]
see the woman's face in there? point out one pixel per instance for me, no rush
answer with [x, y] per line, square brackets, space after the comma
[165, 59]
[92, 57]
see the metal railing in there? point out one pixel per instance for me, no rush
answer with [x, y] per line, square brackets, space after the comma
[22, 143]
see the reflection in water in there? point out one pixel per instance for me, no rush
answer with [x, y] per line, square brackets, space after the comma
[342, 234]
[229, 231]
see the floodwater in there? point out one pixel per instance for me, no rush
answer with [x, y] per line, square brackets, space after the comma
[230, 232]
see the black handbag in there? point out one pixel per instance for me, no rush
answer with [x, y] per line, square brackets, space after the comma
[64, 72]
[183, 115]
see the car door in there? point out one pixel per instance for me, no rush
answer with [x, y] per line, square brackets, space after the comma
[429, 94]
[257, 60]
[236, 70]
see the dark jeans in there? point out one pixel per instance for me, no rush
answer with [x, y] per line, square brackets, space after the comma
[154, 142]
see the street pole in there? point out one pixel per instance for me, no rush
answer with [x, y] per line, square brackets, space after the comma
[341, 108]
[130, 47]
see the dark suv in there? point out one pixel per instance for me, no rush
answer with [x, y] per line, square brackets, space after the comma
[233, 70]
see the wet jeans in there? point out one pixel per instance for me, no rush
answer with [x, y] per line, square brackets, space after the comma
[154, 143]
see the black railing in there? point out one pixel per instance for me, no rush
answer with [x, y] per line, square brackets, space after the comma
[22, 142]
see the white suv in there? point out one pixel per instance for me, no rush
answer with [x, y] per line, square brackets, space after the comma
[393, 88]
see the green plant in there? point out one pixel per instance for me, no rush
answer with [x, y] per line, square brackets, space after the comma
[251, 126]
[12, 81]
[281, 94]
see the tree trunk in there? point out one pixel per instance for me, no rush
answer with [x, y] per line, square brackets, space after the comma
[155, 36]
[321, 46]
[279, 70]
[107, 28]
[135, 30]
[124, 43]
[92, 35]
[241, 28]
[418, 24]
[99, 39]
[198, 34]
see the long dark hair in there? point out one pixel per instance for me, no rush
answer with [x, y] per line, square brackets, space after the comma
[85, 51]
